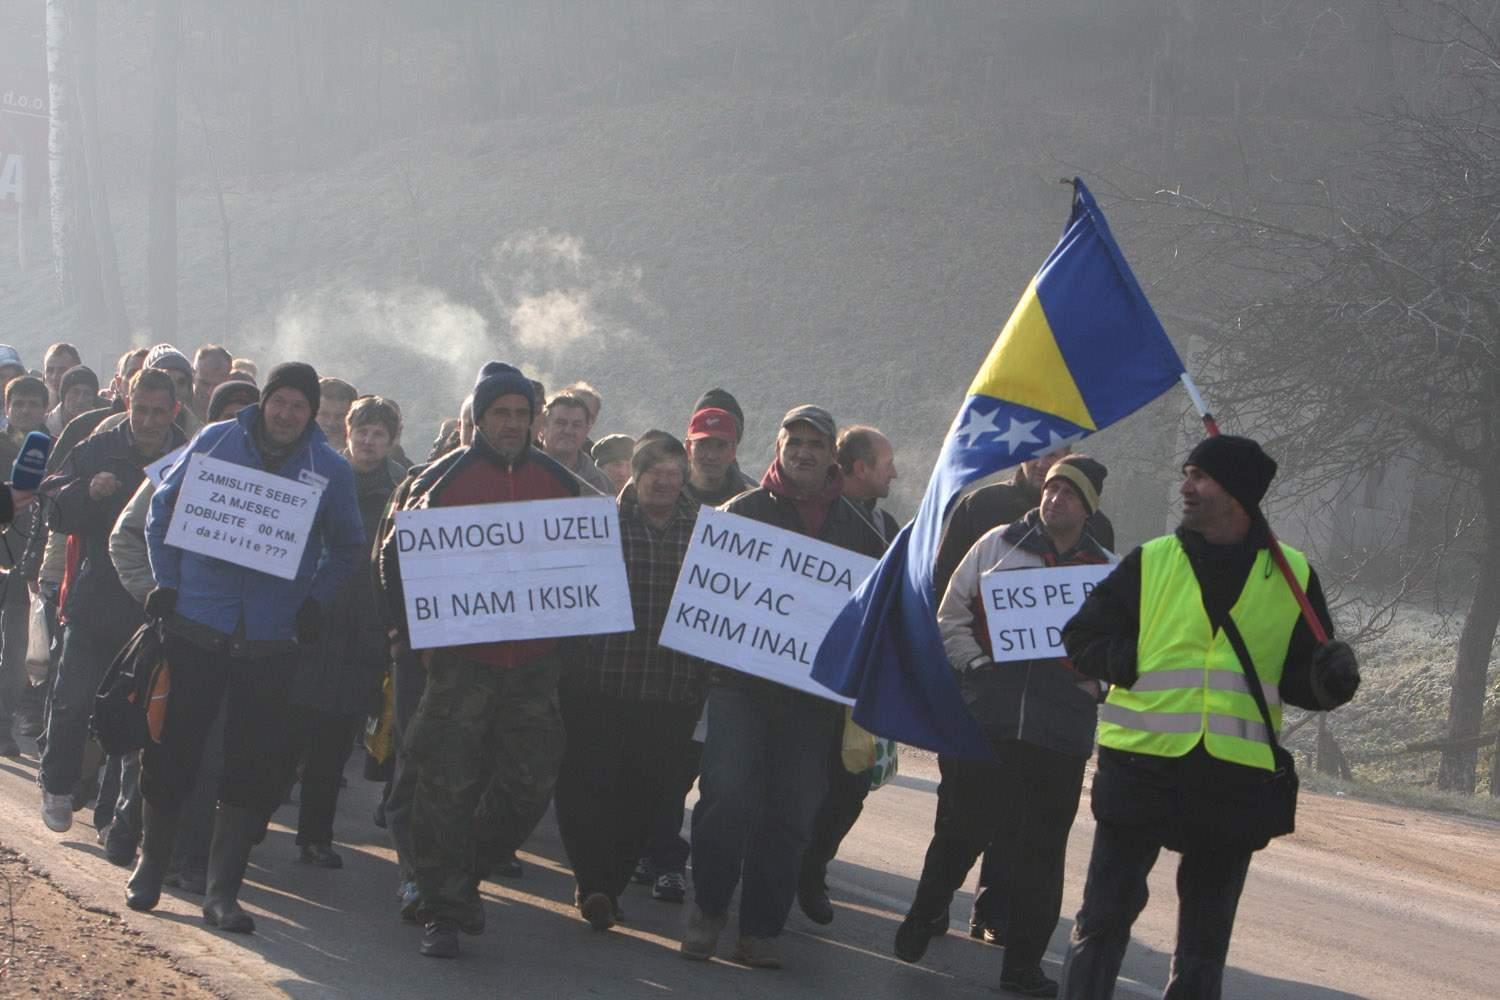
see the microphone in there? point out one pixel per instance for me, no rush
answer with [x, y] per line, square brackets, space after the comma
[31, 462]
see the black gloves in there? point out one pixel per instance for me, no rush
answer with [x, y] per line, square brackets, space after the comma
[1335, 674]
[160, 603]
[309, 622]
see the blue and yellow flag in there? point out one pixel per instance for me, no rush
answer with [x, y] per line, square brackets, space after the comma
[1082, 350]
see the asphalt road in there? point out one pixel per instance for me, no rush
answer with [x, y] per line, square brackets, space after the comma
[1365, 901]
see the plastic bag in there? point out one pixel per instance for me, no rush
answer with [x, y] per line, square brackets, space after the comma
[380, 729]
[38, 643]
[887, 763]
[864, 751]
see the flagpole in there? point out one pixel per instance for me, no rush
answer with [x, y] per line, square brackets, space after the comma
[1313, 621]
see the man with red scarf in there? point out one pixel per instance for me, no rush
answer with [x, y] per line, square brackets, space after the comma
[765, 758]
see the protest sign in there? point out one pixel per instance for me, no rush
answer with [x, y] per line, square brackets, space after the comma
[759, 599]
[1027, 608]
[497, 572]
[242, 515]
[157, 470]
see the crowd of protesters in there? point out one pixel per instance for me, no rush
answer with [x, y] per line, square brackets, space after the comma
[274, 680]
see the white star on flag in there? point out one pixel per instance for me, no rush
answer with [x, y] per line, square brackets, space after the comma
[977, 425]
[1020, 432]
[1056, 442]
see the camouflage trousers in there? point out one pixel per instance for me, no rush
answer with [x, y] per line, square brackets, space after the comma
[480, 733]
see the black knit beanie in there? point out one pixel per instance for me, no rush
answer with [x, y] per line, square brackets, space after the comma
[1239, 465]
[228, 393]
[294, 375]
[723, 399]
[78, 375]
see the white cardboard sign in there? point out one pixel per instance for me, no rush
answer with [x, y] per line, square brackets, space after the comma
[157, 470]
[497, 572]
[1026, 609]
[760, 599]
[242, 515]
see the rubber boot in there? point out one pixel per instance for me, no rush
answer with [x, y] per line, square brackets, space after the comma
[235, 829]
[143, 891]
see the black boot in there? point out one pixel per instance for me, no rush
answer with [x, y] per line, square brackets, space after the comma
[143, 891]
[235, 828]
[439, 939]
[812, 896]
[916, 931]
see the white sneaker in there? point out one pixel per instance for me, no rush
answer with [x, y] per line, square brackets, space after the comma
[57, 811]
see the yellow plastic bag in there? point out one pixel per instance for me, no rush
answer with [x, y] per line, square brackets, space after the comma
[380, 729]
[864, 751]
[859, 745]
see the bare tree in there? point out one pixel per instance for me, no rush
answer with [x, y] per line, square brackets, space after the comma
[161, 255]
[62, 147]
[107, 276]
[1373, 331]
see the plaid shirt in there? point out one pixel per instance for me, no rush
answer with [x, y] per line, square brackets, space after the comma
[634, 666]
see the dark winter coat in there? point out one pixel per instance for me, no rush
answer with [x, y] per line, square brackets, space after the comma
[477, 474]
[1195, 799]
[97, 602]
[1042, 701]
[881, 520]
[843, 526]
[989, 507]
[735, 483]
[341, 673]
[634, 666]
[75, 433]
[17, 534]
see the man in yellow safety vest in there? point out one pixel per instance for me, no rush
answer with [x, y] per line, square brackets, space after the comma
[1186, 757]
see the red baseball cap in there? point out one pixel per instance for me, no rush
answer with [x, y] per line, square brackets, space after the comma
[713, 423]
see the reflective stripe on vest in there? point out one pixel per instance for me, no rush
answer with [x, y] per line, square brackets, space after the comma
[1170, 722]
[1192, 677]
[1190, 685]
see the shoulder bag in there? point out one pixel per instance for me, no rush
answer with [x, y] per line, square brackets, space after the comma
[1281, 785]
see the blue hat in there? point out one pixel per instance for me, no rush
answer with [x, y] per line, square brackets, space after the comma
[9, 357]
[498, 379]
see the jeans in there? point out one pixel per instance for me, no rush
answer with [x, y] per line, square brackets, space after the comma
[84, 659]
[254, 694]
[321, 742]
[765, 770]
[1209, 883]
[119, 804]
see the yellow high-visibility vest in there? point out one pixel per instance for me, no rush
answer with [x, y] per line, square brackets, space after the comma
[1190, 685]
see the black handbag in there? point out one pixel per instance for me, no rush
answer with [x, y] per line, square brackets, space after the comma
[1280, 791]
[119, 721]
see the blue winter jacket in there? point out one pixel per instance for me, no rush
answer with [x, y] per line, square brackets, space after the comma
[247, 603]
